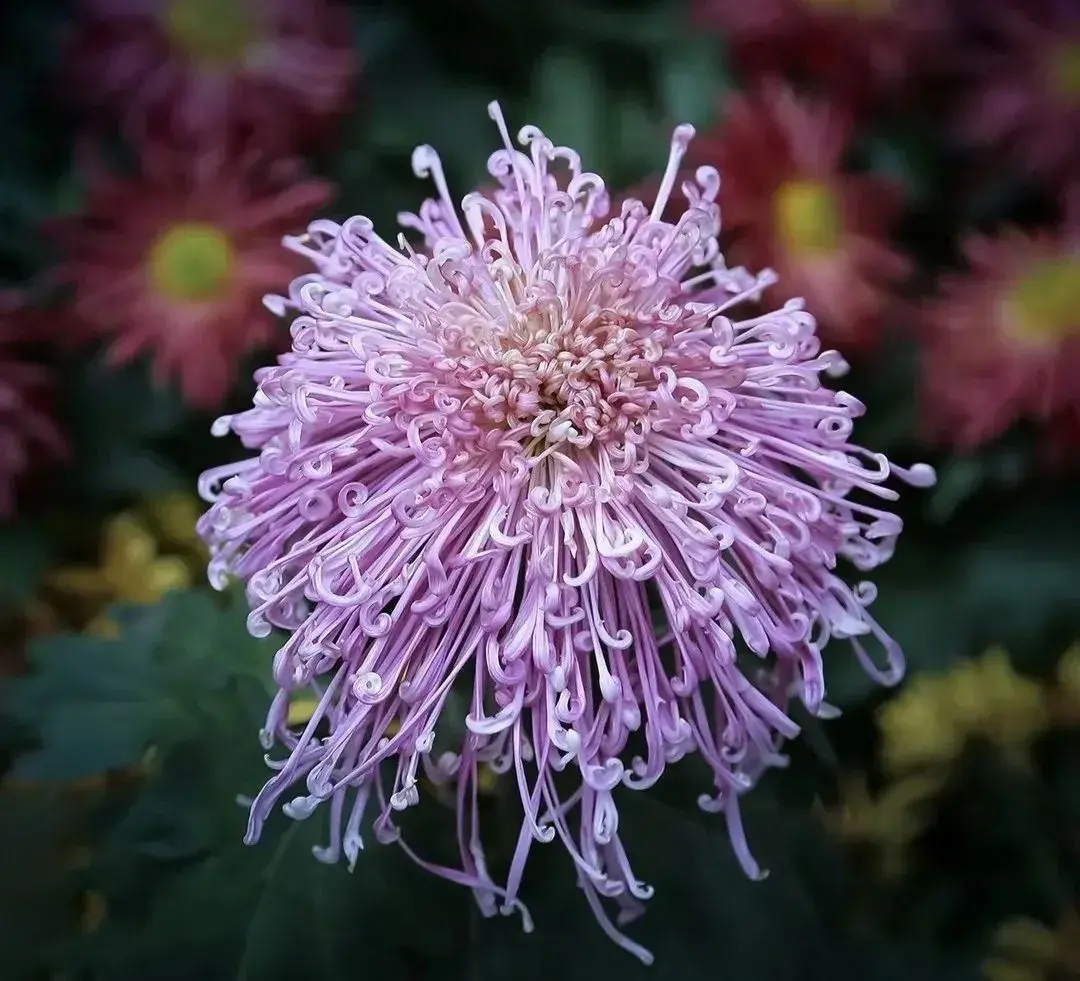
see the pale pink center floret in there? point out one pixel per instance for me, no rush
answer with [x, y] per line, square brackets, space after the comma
[537, 460]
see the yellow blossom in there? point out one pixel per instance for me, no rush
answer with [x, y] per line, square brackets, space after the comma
[929, 722]
[301, 710]
[94, 911]
[1065, 695]
[130, 569]
[889, 822]
[173, 518]
[104, 627]
[1026, 950]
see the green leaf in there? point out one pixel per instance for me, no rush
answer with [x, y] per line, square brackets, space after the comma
[115, 418]
[567, 103]
[189, 899]
[1002, 467]
[906, 154]
[1019, 576]
[916, 606]
[693, 78]
[38, 893]
[272, 912]
[186, 897]
[25, 554]
[656, 26]
[97, 705]
[705, 911]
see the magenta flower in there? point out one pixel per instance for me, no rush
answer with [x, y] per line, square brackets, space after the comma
[173, 262]
[534, 458]
[1020, 84]
[1001, 341]
[29, 435]
[790, 205]
[204, 67]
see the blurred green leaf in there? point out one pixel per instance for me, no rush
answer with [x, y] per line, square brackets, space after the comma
[960, 478]
[38, 894]
[116, 417]
[189, 899]
[906, 153]
[273, 912]
[693, 79]
[640, 140]
[568, 104]
[25, 554]
[650, 26]
[705, 911]
[916, 606]
[97, 705]
[1020, 587]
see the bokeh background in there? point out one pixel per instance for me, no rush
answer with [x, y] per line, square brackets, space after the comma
[908, 167]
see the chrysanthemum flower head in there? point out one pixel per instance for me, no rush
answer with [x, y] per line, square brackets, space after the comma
[860, 51]
[532, 457]
[1002, 340]
[209, 67]
[28, 433]
[1020, 61]
[175, 261]
[789, 206]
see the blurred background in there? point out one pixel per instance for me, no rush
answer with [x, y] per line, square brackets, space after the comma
[907, 166]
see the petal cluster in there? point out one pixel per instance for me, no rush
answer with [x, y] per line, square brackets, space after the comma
[861, 51]
[1020, 83]
[1002, 339]
[28, 433]
[210, 67]
[174, 261]
[530, 457]
[789, 206]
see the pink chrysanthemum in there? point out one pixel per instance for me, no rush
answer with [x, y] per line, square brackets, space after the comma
[788, 206]
[1023, 73]
[28, 433]
[208, 66]
[857, 50]
[176, 261]
[1002, 341]
[533, 458]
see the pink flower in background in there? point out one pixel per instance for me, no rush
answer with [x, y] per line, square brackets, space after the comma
[535, 459]
[1021, 59]
[28, 434]
[856, 50]
[1002, 341]
[204, 66]
[174, 262]
[788, 206]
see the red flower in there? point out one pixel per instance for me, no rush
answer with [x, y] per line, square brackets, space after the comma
[27, 430]
[176, 261]
[858, 50]
[1002, 341]
[1023, 92]
[202, 66]
[787, 205]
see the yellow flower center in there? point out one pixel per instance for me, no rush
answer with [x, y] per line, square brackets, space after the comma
[1044, 306]
[808, 217]
[1067, 70]
[214, 32]
[192, 262]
